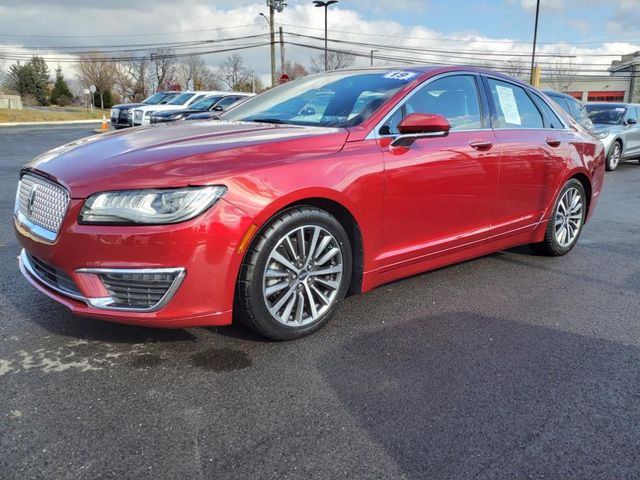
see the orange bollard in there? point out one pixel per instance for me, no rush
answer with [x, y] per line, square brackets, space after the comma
[104, 123]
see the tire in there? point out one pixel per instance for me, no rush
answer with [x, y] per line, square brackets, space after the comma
[556, 243]
[613, 158]
[281, 292]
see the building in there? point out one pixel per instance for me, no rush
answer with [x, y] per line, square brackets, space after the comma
[621, 85]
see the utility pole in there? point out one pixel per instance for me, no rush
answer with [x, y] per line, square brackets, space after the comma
[282, 52]
[274, 6]
[321, 4]
[372, 56]
[535, 39]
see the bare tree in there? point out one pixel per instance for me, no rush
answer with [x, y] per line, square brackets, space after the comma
[96, 69]
[335, 61]
[165, 67]
[515, 68]
[191, 70]
[233, 74]
[294, 70]
[131, 79]
[560, 73]
[209, 80]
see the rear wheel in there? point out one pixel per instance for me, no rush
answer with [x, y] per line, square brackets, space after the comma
[566, 220]
[295, 274]
[613, 159]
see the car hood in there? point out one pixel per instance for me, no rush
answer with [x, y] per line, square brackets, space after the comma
[127, 106]
[190, 153]
[167, 113]
[161, 108]
[600, 128]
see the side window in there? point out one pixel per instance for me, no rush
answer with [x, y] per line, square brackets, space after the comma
[225, 102]
[551, 118]
[631, 113]
[514, 108]
[577, 111]
[454, 97]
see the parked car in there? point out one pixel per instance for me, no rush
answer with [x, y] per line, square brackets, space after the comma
[215, 103]
[616, 124]
[271, 216]
[121, 114]
[142, 115]
[572, 106]
[215, 114]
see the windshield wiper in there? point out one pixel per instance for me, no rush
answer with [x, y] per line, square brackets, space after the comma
[268, 120]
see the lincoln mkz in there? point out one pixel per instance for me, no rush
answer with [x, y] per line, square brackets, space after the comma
[328, 185]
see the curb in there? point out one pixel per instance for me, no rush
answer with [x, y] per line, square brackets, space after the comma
[54, 122]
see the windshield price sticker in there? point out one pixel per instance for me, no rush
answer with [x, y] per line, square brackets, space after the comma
[403, 75]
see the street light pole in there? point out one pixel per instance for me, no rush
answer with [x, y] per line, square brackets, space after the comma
[321, 4]
[535, 39]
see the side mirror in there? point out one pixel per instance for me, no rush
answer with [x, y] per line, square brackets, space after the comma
[631, 121]
[421, 123]
[218, 108]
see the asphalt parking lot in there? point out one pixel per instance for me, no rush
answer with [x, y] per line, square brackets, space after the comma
[509, 366]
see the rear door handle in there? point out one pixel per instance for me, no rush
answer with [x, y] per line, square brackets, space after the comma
[553, 142]
[480, 144]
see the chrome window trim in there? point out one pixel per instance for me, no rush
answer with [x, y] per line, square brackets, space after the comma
[373, 134]
[26, 263]
[102, 303]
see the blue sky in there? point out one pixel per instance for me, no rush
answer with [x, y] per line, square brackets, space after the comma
[585, 29]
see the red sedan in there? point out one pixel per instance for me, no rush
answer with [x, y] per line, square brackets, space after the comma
[334, 183]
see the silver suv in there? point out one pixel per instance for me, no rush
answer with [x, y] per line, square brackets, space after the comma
[616, 124]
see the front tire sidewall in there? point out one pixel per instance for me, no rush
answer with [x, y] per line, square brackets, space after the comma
[610, 166]
[263, 320]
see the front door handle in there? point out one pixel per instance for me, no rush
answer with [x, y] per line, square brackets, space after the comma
[553, 142]
[480, 144]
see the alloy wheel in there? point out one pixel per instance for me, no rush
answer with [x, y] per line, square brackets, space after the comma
[615, 156]
[568, 217]
[303, 275]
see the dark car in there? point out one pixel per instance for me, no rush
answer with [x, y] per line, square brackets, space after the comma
[212, 103]
[213, 113]
[120, 114]
[572, 106]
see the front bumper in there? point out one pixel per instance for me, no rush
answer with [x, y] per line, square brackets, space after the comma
[204, 249]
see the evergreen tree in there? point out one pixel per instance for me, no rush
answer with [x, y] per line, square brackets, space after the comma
[61, 94]
[30, 79]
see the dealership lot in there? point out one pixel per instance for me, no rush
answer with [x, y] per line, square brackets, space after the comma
[513, 365]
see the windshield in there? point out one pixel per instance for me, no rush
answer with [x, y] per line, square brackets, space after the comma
[335, 99]
[606, 114]
[206, 103]
[181, 99]
[155, 99]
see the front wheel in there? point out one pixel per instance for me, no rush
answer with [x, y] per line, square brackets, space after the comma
[613, 159]
[295, 274]
[566, 220]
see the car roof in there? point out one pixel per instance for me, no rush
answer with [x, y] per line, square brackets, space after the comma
[553, 93]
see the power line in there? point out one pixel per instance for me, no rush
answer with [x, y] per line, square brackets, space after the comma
[106, 35]
[461, 40]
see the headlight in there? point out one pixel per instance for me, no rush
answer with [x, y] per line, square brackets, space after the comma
[601, 135]
[176, 116]
[149, 207]
[146, 114]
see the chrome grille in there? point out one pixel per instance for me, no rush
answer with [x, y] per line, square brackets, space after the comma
[138, 290]
[137, 115]
[42, 203]
[51, 276]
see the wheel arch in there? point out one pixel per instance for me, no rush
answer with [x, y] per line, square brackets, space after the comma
[586, 184]
[331, 202]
